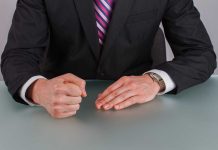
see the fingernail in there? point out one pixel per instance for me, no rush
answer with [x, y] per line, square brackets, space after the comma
[84, 93]
[98, 99]
[117, 107]
[98, 103]
[84, 90]
[98, 106]
[106, 107]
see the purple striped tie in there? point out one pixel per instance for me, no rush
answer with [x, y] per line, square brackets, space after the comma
[103, 11]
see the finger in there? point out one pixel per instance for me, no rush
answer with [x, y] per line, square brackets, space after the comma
[65, 115]
[78, 81]
[113, 87]
[68, 100]
[110, 89]
[99, 95]
[129, 102]
[112, 96]
[69, 89]
[73, 89]
[66, 108]
[119, 99]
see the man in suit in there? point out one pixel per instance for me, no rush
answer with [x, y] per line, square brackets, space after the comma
[53, 46]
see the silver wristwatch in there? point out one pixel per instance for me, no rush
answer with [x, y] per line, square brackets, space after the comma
[155, 77]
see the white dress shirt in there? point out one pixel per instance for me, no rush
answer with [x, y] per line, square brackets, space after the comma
[169, 83]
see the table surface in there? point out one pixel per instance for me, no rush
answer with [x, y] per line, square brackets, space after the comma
[187, 121]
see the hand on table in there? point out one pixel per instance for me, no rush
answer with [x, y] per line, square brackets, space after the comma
[60, 96]
[127, 91]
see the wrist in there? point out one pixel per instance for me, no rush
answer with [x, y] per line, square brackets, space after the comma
[35, 87]
[152, 82]
[157, 80]
[156, 85]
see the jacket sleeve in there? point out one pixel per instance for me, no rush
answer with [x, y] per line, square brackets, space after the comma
[195, 59]
[27, 41]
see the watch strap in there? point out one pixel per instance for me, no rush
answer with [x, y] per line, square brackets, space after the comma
[157, 78]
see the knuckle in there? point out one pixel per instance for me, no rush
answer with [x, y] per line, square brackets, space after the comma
[77, 107]
[61, 80]
[68, 74]
[125, 78]
[83, 83]
[65, 76]
[78, 91]
[79, 99]
[114, 94]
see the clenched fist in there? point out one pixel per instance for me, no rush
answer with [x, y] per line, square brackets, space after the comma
[60, 96]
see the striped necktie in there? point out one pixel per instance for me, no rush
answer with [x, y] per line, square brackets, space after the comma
[103, 11]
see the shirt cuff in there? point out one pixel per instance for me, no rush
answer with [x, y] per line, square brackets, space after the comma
[169, 83]
[24, 88]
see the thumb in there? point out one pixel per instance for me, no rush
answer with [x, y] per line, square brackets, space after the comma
[77, 81]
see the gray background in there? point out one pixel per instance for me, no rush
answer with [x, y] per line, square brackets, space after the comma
[207, 8]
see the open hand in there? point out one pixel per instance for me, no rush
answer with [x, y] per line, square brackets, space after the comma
[127, 91]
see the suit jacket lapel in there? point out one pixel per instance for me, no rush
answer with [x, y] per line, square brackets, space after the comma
[119, 16]
[85, 9]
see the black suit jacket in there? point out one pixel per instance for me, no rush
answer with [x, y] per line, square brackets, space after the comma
[53, 37]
